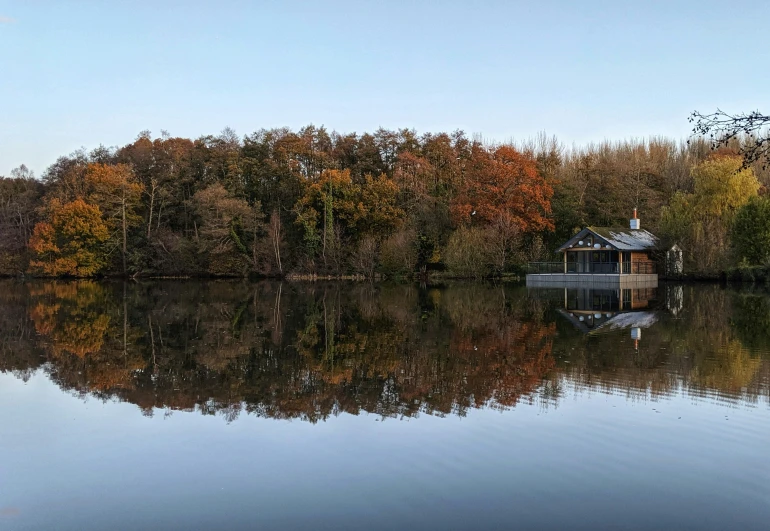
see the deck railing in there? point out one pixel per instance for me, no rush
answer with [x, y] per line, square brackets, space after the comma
[640, 268]
[545, 267]
[592, 268]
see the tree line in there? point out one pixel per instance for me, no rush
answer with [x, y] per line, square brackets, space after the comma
[391, 203]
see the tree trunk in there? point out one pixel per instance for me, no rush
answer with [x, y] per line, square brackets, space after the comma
[125, 234]
[160, 214]
[275, 236]
[152, 205]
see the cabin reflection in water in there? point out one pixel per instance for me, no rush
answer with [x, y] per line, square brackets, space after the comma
[594, 310]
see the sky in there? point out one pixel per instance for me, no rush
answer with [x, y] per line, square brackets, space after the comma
[83, 73]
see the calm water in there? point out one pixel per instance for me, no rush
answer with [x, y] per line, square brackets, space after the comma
[227, 405]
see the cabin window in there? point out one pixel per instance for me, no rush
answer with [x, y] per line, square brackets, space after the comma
[604, 257]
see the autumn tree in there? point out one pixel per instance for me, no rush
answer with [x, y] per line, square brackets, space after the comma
[328, 202]
[503, 191]
[701, 221]
[70, 242]
[333, 209]
[230, 231]
[171, 171]
[358, 154]
[164, 168]
[381, 212]
[224, 161]
[504, 183]
[115, 190]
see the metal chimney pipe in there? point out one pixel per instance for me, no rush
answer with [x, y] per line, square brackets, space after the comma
[635, 222]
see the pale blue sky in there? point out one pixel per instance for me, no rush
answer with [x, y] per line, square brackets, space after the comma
[83, 73]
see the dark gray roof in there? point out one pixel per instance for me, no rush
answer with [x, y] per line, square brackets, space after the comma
[630, 320]
[598, 322]
[621, 239]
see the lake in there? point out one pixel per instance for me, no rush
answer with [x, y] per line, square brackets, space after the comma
[235, 405]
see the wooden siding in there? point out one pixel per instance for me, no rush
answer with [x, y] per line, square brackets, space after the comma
[639, 257]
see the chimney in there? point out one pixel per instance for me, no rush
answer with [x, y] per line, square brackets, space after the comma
[635, 221]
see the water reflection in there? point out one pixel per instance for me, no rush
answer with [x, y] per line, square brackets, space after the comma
[593, 310]
[694, 341]
[311, 351]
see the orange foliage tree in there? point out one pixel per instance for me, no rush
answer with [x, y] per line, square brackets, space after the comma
[503, 185]
[501, 197]
[70, 242]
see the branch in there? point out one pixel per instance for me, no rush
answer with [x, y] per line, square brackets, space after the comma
[749, 129]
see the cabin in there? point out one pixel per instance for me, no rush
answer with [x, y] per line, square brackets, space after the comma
[603, 256]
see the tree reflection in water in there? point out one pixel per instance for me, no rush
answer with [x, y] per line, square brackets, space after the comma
[311, 351]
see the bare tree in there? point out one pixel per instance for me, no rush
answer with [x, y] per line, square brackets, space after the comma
[751, 129]
[364, 258]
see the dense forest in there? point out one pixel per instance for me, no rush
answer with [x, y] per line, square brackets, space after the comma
[394, 203]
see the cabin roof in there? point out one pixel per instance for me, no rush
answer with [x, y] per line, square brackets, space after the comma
[630, 320]
[621, 239]
[611, 321]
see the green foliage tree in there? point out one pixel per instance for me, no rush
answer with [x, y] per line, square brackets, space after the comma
[751, 231]
[467, 252]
